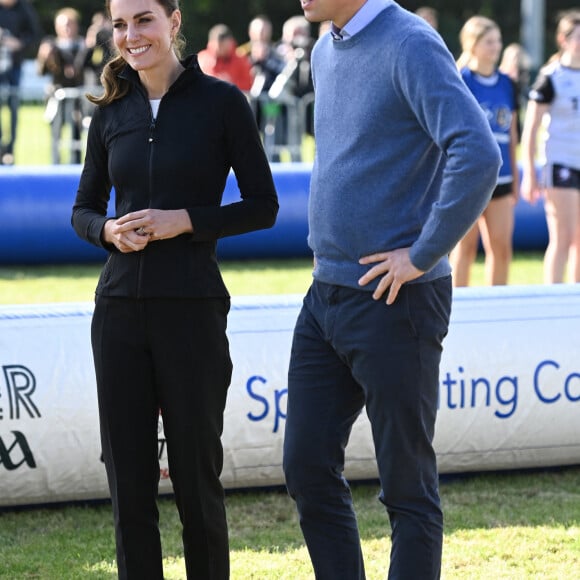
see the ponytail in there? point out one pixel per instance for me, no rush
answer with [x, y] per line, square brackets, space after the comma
[115, 87]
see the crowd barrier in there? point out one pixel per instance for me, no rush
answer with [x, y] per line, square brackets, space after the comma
[509, 393]
[283, 121]
[36, 202]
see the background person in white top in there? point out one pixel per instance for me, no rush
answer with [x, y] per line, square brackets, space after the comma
[555, 97]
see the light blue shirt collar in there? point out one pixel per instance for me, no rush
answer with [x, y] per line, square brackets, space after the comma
[366, 14]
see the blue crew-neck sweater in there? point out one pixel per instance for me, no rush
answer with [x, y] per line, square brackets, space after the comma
[404, 154]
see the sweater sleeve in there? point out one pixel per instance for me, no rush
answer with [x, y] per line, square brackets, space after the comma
[258, 206]
[451, 116]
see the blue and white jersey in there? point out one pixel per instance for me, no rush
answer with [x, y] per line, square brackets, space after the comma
[559, 87]
[498, 97]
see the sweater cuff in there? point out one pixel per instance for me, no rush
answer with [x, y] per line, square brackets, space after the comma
[421, 259]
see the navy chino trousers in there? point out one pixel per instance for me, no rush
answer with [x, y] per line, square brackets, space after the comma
[351, 352]
[168, 355]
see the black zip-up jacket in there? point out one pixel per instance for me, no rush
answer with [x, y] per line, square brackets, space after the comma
[180, 160]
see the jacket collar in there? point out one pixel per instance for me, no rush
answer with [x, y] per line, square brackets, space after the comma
[190, 64]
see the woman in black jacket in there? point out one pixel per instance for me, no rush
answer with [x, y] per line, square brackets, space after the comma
[165, 136]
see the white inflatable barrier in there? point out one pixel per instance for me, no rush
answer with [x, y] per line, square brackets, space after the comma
[510, 393]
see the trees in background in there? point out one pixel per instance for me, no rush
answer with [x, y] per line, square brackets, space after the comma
[453, 13]
[200, 15]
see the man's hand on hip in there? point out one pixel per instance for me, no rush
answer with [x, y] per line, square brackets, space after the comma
[394, 269]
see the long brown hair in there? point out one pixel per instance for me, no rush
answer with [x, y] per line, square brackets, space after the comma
[116, 87]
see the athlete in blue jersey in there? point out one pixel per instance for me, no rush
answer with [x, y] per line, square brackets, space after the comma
[498, 97]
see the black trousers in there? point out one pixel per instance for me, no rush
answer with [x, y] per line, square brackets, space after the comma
[168, 355]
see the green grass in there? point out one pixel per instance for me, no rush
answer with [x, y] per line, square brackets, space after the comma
[33, 138]
[498, 526]
[76, 283]
[33, 141]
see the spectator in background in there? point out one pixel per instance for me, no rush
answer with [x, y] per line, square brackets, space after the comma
[63, 57]
[430, 15]
[292, 84]
[219, 58]
[99, 43]
[516, 63]
[294, 48]
[497, 94]
[266, 65]
[265, 62]
[19, 30]
[554, 97]
[259, 30]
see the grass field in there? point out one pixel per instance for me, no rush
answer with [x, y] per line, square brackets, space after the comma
[76, 283]
[498, 526]
[33, 138]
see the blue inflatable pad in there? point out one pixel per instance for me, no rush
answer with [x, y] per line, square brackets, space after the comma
[36, 202]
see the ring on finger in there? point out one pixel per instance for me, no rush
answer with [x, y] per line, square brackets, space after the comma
[141, 231]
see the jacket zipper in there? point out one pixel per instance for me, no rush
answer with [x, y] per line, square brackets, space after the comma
[151, 141]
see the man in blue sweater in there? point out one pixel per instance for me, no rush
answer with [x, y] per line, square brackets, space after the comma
[405, 163]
